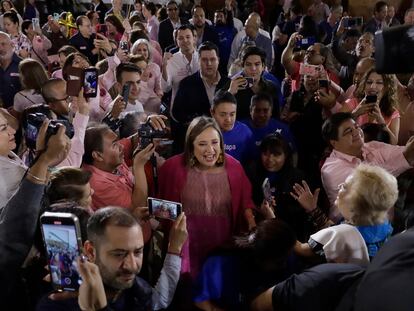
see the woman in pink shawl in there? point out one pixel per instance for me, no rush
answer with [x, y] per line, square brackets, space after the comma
[213, 189]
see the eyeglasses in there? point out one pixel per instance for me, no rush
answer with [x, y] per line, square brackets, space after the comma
[66, 99]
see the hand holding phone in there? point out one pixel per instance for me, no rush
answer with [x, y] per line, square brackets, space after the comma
[164, 209]
[62, 239]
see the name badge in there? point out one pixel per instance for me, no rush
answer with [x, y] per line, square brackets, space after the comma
[82, 48]
[14, 74]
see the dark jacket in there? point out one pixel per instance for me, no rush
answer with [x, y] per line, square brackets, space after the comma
[191, 101]
[165, 33]
[17, 229]
[136, 298]
[101, 8]
[210, 34]
[287, 209]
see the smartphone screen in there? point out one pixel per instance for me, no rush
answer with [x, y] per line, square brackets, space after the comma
[56, 17]
[61, 236]
[35, 23]
[267, 191]
[164, 209]
[123, 45]
[90, 82]
[369, 99]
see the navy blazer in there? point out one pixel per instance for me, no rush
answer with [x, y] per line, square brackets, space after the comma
[191, 99]
[165, 33]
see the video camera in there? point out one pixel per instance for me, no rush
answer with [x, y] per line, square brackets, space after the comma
[147, 133]
[394, 49]
[35, 121]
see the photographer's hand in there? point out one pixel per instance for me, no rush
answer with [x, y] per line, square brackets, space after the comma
[157, 121]
[140, 191]
[237, 84]
[117, 107]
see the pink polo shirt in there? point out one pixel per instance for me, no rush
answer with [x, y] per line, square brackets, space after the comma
[338, 166]
[114, 189]
[109, 188]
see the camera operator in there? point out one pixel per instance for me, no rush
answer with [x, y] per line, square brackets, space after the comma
[19, 216]
[113, 182]
[55, 95]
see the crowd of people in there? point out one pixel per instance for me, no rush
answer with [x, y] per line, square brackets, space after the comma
[285, 156]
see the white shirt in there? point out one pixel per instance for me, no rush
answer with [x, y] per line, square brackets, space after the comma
[178, 67]
[12, 170]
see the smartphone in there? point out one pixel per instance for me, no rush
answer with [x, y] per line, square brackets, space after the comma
[267, 191]
[353, 22]
[125, 92]
[35, 23]
[62, 239]
[102, 29]
[309, 70]
[56, 17]
[124, 46]
[324, 84]
[90, 82]
[369, 99]
[75, 81]
[306, 42]
[249, 82]
[164, 209]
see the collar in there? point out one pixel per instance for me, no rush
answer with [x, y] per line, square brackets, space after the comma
[347, 157]
[216, 80]
[104, 174]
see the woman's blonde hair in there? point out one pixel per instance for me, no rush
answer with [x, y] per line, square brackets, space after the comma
[372, 193]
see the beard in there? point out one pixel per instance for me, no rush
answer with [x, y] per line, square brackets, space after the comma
[111, 279]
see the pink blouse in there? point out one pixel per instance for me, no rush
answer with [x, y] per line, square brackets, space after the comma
[353, 102]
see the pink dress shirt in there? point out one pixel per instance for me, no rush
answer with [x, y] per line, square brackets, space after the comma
[338, 166]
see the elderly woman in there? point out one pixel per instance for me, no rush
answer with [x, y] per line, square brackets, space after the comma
[213, 189]
[364, 200]
[382, 108]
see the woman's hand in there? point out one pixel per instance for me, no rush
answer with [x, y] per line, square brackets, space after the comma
[376, 114]
[91, 292]
[362, 108]
[305, 197]
[267, 210]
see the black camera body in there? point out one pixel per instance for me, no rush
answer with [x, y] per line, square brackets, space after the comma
[35, 121]
[147, 133]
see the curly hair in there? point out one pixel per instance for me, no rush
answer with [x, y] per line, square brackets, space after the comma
[372, 193]
[388, 102]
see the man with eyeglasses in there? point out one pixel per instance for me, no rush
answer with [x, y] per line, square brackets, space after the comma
[315, 54]
[167, 26]
[54, 93]
[349, 150]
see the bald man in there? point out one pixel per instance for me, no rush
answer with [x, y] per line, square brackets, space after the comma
[9, 71]
[252, 33]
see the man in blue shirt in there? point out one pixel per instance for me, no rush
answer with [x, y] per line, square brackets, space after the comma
[237, 136]
[9, 71]
[261, 123]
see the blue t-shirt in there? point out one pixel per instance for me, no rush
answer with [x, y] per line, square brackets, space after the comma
[272, 127]
[238, 141]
